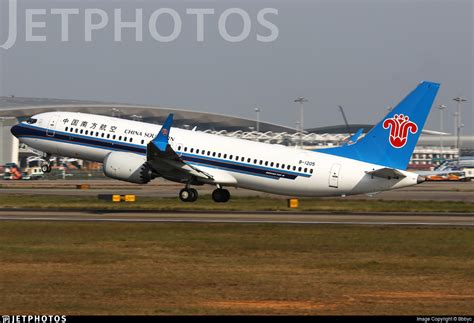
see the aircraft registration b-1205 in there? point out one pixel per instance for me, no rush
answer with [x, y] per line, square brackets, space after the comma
[138, 152]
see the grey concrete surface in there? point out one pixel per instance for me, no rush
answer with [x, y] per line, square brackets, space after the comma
[378, 219]
[440, 191]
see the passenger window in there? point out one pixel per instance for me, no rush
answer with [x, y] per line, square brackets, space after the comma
[242, 159]
[231, 156]
[67, 128]
[219, 155]
[288, 167]
[179, 147]
[294, 167]
[271, 164]
[261, 162]
[108, 136]
[311, 171]
[102, 135]
[114, 136]
[209, 153]
[214, 154]
[254, 161]
[197, 151]
[266, 163]
[299, 169]
[277, 165]
[185, 149]
[248, 160]
[76, 130]
[82, 131]
[143, 141]
[192, 150]
[225, 156]
[305, 170]
[131, 139]
[97, 134]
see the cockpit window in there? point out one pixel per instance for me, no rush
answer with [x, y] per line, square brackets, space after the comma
[31, 120]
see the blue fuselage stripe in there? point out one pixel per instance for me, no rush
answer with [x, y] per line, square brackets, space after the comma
[75, 139]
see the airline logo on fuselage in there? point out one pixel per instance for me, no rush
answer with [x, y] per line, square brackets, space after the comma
[139, 133]
[399, 127]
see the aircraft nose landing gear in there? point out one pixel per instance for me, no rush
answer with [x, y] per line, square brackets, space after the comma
[46, 164]
[220, 195]
[188, 195]
[46, 168]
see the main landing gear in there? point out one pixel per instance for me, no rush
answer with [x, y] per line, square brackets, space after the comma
[188, 195]
[219, 195]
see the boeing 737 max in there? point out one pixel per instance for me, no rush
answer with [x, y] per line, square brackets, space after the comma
[138, 152]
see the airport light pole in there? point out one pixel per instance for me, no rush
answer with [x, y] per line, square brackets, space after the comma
[301, 100]
[257, 111]
[441, 108]
[460, 101]
[298, 127]
[455, 117]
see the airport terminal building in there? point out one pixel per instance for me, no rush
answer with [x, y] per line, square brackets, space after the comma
[431, 148]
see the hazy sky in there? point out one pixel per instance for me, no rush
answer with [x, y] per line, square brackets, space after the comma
[364, 55]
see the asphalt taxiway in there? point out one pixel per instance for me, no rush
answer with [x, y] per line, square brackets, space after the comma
[429, 191]
[378, 219]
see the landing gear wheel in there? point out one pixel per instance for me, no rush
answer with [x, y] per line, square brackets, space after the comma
[45, 168]
[194, 194]
[221, 195]
[188, 195]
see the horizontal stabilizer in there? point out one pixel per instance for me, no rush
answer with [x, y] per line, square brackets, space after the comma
[387, 173]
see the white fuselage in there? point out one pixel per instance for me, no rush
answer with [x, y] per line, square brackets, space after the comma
[257, 166]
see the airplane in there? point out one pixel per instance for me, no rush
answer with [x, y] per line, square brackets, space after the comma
[138, 152]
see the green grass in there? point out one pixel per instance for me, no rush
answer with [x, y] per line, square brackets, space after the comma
[117, 268]
[237, 203]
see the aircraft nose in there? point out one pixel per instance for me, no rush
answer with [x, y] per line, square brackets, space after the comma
[15, 130]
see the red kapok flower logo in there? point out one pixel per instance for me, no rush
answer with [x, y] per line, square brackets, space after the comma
[399, 126]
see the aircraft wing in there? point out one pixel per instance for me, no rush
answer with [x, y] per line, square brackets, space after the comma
[166, 162]
[388, 173]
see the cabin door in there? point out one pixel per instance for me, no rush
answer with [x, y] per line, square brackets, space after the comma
[51, 130]
[334, 175]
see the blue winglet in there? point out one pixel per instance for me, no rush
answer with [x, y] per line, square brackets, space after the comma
[352, 140]
[161, 140]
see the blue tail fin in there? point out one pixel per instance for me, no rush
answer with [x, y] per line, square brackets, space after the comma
[162, 138]
[391, 142]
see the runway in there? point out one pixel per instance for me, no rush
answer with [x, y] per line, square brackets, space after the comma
[376, 219]
[435, 191]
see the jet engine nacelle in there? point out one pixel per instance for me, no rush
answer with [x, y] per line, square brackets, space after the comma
[127, 167]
